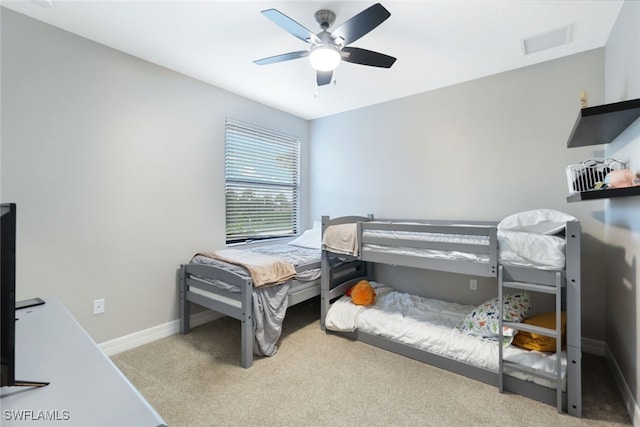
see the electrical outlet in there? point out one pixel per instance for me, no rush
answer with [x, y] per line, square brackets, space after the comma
[98, 306]
[473, 284]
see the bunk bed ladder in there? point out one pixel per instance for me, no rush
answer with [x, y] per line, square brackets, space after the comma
[556, 289]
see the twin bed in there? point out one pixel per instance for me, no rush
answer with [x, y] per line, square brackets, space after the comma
[534, 251]
[220, 282]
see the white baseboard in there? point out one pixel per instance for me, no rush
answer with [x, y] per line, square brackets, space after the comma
[627, 397]
[592, 346]
[146, 336]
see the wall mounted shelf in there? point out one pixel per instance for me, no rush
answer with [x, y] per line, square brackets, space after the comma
[604, 194]
[603, 123]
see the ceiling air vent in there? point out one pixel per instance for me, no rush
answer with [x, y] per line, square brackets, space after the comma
[553, 38]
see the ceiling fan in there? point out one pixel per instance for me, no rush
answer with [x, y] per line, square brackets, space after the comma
[329, 48]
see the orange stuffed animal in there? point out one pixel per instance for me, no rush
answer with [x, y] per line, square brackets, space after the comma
[362, 293]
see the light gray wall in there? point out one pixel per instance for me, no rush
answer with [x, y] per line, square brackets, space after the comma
[623, 215]
[478, 150]
[117, 167]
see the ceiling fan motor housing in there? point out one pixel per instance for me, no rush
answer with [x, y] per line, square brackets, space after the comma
[325, 38]
[325, 18]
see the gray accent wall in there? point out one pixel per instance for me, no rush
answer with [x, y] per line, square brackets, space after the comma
[117, 168]
[479, 150]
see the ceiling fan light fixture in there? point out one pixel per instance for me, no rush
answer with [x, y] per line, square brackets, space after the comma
[329, 49]
[324, 57]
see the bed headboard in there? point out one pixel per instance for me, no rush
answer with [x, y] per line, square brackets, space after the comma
[327, 220]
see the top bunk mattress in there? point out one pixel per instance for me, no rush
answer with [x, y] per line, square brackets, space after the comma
[534, 238]
[526, 239]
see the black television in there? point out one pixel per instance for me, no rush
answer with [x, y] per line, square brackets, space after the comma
[8, 305]
[8, 293]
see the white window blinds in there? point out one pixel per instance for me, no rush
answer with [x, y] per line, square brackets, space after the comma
[262, 182]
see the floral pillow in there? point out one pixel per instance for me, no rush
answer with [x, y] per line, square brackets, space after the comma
[484, 320]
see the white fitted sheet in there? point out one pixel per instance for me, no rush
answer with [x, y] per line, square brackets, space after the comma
[429, 324]
[520, 248]
[524, 249]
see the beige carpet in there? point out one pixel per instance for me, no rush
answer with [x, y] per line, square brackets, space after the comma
[318, 379]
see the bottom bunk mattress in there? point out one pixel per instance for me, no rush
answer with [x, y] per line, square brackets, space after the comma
[435, 326]
[269, 303]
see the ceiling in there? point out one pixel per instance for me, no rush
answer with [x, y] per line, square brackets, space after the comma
[437, 43]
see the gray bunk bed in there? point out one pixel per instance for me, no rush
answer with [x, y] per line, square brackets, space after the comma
[229, 290]
[393, 242]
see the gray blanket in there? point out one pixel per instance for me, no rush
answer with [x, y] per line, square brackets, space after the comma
[269, 303]
[269, 307]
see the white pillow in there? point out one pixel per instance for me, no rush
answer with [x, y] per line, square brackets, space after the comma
[539, 221]
[310, 239]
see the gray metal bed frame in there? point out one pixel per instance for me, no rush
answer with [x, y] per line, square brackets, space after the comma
[240, 305]
[333, 287]
[236, 305]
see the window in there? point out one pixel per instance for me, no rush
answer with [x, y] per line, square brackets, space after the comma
[262, 183]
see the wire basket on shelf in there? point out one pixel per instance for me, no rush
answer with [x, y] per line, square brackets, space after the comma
[590, 174]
